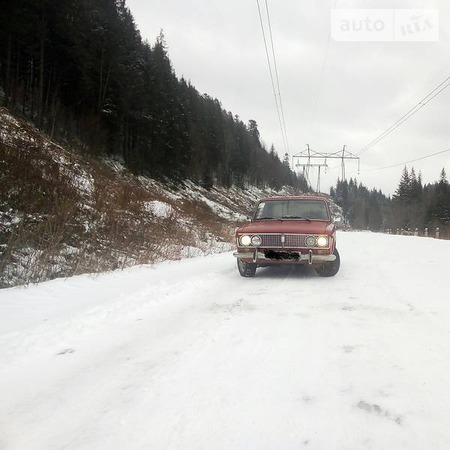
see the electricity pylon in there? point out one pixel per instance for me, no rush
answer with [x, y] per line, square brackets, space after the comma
[304, 159]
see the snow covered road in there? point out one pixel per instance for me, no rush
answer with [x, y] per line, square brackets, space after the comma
[189, 355]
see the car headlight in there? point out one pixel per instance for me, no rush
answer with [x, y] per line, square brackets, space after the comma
[246, 240]
[322, 241]
[310, 241]
[256, 241]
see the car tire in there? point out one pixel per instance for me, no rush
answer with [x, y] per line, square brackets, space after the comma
[329, 269]
[247, 270]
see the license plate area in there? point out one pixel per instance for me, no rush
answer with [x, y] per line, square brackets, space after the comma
[280, 255]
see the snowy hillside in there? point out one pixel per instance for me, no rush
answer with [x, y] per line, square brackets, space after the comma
[189, 355]
[63, 212]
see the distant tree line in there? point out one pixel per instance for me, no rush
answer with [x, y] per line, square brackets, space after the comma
[80, 70]
[412, 206]
[415, 205]
[362, 208]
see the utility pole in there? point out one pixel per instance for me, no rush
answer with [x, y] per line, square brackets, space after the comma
[343, 163]
[306, 168]
[304, 159]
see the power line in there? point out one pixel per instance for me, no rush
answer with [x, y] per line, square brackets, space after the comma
[414, 160]
[276, 77]
[283, 134]
[408, 162]
[436, 91]
[271, 74]
[322, 73]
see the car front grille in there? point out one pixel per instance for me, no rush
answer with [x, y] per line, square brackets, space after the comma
[274, 240]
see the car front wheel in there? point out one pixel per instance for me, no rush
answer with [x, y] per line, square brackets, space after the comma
[329, 269]
[246, 269]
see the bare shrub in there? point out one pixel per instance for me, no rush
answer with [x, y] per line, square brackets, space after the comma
[64, 213]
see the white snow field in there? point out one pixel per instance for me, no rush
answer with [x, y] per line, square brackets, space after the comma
[189, 355]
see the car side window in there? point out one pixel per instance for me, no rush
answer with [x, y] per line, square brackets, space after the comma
[260, 210]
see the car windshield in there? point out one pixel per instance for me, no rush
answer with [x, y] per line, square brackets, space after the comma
[292, 209]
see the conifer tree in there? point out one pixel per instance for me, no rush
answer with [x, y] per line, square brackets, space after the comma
[80, 71]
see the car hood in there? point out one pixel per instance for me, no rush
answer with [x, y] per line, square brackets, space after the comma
[287, 227]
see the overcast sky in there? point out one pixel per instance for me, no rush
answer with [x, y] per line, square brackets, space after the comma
[334, 92]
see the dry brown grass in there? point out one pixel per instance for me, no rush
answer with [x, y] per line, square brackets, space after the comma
[60, 233]
[51, 225]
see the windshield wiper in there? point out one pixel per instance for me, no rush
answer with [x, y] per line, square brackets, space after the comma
[297, 217]
[269, 218]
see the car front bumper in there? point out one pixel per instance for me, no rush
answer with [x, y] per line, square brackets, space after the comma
[285, 257]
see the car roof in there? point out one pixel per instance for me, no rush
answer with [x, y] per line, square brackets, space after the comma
[294, 197]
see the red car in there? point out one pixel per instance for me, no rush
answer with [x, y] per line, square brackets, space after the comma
[289, 230]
